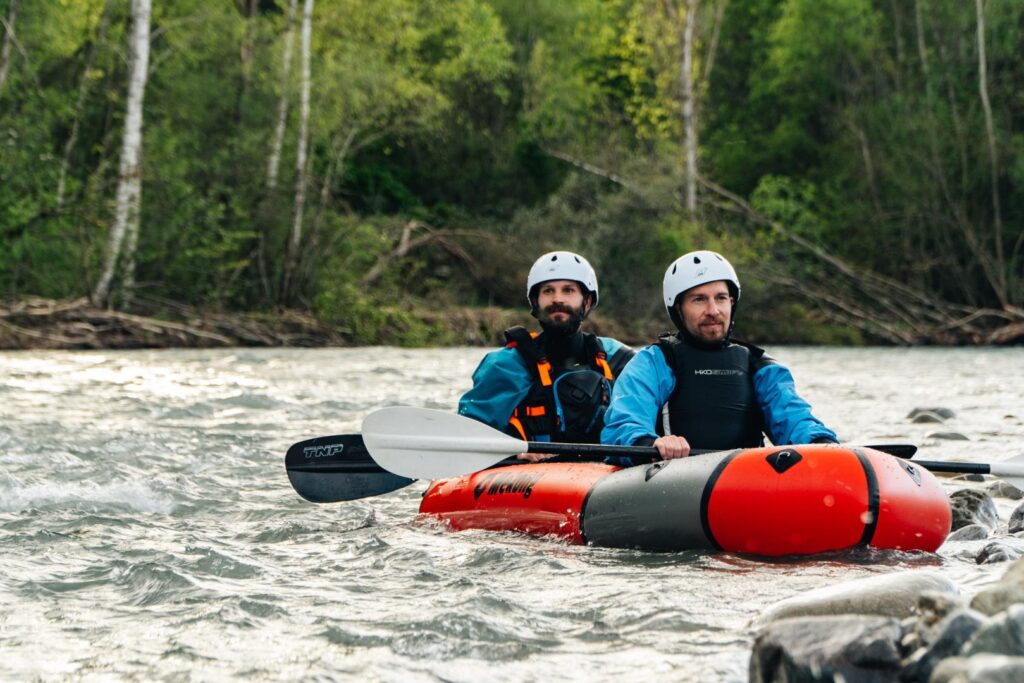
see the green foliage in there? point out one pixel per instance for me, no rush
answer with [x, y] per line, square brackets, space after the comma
[513, 127]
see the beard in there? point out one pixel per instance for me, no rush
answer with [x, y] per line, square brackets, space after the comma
[561, 328]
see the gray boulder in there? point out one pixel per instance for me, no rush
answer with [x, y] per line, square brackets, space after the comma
[1003, 635]
[949, 436]
[808, 649]
[949, 636]
[944, 413]
[1000, 551]
[979, 669]
[971, 506]
[1004, 489]
[1016, 522]
[971, 532]
[888, 595]
[1004, 593]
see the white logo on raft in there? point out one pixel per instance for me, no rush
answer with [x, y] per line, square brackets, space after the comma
[323, 451]
[725, 372]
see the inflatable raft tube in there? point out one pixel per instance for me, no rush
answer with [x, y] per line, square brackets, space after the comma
[789, 500]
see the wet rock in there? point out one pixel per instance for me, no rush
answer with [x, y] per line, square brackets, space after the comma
[1003, 635]
[1005, 592]
[970, 477]
[1016, 522]
[949, 436]
[996, 552]
[971, 532]
[971, 506]
[980, 669]
[889, 595]
[934, 606]
[855, 648]
[926, 416]
[949, 636]
[943, 413]
[1003, 489]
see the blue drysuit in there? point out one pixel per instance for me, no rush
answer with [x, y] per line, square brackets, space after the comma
[647, 382]
[502, 381]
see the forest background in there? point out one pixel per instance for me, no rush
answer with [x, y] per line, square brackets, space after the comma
[385, 171]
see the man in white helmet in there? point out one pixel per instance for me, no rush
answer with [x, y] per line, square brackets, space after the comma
[698, 388]
[555, 385]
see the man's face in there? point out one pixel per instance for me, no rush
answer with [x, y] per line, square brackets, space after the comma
[706, 311]
[561, 304]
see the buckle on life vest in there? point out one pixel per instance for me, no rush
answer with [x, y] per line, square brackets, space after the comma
[544, 370]
[535, 411]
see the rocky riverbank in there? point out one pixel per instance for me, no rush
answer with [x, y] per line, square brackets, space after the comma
[37, 323]
[910, 627]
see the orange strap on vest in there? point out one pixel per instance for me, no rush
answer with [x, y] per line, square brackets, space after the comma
[514, 421]
[544, 371]
[535, 411]
[602, 362]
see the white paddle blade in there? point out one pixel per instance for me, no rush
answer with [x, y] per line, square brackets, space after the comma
[1011, 471]
[431, 444]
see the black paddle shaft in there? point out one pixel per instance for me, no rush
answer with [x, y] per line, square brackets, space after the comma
[958, 467]
[638, 454]
[643, 454]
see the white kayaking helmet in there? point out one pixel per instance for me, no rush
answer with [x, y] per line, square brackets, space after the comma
[692, 270]
[561, 265]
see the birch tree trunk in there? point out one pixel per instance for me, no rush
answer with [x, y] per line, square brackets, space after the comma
[5, 49]
[129, 187]
[83, 93]
[689, 118]
[246, 50]
[687, 95]
[274, 162]
[295, 238]
[993, 159]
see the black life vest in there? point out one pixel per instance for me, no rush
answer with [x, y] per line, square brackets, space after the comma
[713, 404]
[565, 404]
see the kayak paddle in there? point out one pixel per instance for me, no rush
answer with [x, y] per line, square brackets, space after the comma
[1010, 471]
[335, 468]
[434, 444]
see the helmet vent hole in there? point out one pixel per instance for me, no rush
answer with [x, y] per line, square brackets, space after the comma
[554, 258]
[577, 259]
[696, 259]
[674, 266]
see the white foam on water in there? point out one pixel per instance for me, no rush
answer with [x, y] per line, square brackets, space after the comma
[15, 496]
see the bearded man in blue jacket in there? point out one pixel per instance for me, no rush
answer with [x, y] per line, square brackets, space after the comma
[700, 389]
[554, 385]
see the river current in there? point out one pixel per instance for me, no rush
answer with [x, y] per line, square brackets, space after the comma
[148, 530]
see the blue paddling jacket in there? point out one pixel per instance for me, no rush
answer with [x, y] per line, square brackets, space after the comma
[716, 399]
[515, 389]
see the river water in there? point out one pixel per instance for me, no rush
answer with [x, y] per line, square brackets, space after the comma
[148, 530]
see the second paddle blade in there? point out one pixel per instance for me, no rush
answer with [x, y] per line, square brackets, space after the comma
[330, 469]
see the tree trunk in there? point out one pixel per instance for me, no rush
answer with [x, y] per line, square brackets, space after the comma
[993, 159]
[282, 103]
[83, 93]
[709, 61]
[689, 117]
[295, 238]
[686, 107]
[129, 187]
[245, 55]
[5, 49]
